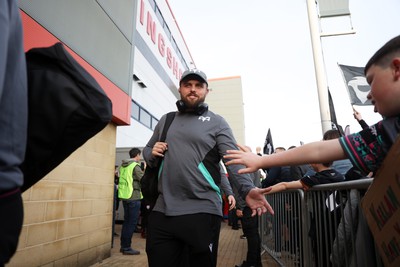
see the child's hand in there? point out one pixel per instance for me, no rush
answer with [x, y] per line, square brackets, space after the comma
[249, 159]
[357, 115]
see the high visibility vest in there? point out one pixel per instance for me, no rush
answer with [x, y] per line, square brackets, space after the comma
[125, 185]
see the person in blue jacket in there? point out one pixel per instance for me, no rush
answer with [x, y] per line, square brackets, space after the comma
[13, 126]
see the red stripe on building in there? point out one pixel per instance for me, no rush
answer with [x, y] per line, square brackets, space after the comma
[37, 36]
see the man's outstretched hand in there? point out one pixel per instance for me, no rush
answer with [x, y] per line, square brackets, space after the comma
[257, 202]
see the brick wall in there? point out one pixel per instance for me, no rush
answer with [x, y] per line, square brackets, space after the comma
[68, 214]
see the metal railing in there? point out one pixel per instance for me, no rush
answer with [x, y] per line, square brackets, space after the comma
[323, 226]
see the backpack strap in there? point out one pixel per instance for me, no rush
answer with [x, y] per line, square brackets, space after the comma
[168, 121]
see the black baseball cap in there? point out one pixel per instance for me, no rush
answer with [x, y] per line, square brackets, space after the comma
[194, 74]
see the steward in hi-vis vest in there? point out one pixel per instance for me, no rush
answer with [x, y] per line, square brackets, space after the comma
[126, 180]
[129, 192]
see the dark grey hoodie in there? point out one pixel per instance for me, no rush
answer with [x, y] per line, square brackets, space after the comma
[190, 172]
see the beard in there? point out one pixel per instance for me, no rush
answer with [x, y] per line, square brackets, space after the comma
[192, 104]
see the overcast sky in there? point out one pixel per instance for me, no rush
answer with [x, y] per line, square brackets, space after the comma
[268, 44]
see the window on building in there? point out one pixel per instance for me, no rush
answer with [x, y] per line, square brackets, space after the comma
[143, 116]
[167, 31]
[174, 45]
[153, 4]
[159, 16]
[135, 111]
[154, 122]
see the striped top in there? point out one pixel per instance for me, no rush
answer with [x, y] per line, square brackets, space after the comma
[368, 148]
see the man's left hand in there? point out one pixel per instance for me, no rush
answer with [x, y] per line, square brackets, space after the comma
[257, 202]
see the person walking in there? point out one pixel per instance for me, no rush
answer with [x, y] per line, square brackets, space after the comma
[130, 174]
[186, 218]
[250, 227]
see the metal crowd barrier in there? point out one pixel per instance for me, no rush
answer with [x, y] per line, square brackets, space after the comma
[323, 226]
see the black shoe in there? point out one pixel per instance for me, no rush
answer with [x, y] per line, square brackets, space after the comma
[243, 237]
[244, 264]
[235, 228]
[129, 251]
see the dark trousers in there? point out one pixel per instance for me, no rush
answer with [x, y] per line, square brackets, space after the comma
[11, 208]
[234, 219]
[131, 217]
[250, 230]
[182, 241]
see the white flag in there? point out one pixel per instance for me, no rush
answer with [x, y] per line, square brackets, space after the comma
[357, 85]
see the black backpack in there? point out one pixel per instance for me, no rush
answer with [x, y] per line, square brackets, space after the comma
[149, 181]
[66, 107]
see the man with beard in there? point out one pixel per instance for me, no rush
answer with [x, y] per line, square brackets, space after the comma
[183, 228]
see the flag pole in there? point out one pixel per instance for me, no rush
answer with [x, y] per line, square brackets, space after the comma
[322, 85]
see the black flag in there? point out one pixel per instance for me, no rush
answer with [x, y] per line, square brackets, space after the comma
[268, 145]
[333, 115]
[356, 84]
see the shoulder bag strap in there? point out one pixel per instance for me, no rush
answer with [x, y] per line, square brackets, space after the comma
[168, 121]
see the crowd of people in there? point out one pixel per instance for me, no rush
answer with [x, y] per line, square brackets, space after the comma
[366, 149]
[238, 213]
[189, 182]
